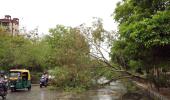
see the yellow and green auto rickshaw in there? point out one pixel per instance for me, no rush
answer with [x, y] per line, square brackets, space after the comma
[19, 79]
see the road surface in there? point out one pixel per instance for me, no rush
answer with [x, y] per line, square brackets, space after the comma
[38, 93]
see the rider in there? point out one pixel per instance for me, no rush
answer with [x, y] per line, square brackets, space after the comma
[3, 80]
[45, 75]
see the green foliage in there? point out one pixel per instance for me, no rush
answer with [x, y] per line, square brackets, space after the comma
[134, 64]
[128, 55]
[130, 86]
[21, 52]
[70, 56]
[70, 77]
[68, 47]
[144, 41]
[149, 31]
[65, 50]
[145, 22]
[69, 51]
[97, 32]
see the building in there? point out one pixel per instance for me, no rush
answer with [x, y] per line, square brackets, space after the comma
[10, 25]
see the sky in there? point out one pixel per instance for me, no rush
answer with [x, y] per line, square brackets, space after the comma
[46, 14]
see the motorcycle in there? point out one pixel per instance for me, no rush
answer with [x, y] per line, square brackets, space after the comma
[43, 82]
[3, 90]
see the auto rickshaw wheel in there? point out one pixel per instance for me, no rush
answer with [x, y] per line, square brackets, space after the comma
[13, 89]
[29, 88]
[40, 86]
[3, 97]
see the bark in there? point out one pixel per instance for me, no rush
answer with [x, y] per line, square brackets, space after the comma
[115, 79]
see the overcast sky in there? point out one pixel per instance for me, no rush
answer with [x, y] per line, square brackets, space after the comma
[48, 13]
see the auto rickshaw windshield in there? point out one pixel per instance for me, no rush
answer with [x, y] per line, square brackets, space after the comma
[14, 74]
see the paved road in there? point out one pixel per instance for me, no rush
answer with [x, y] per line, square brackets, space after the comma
[36, 93]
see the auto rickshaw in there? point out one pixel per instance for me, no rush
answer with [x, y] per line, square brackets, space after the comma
[19, 79]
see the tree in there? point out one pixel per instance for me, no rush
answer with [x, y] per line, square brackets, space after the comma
[22, 52]
[144, 34]
[69, 58]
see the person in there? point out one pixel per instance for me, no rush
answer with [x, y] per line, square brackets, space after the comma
[45, 75]
[3, 81]
[19, 76]
[2, 78]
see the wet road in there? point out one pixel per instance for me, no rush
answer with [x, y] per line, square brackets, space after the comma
[36, 93]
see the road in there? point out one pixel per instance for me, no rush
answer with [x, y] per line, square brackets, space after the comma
[38, 93]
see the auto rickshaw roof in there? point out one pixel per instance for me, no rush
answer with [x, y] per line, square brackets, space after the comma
[19, 70]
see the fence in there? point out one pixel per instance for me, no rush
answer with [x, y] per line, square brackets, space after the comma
[150, 92]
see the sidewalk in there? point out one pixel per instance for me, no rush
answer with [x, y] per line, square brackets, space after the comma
[164, 93]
